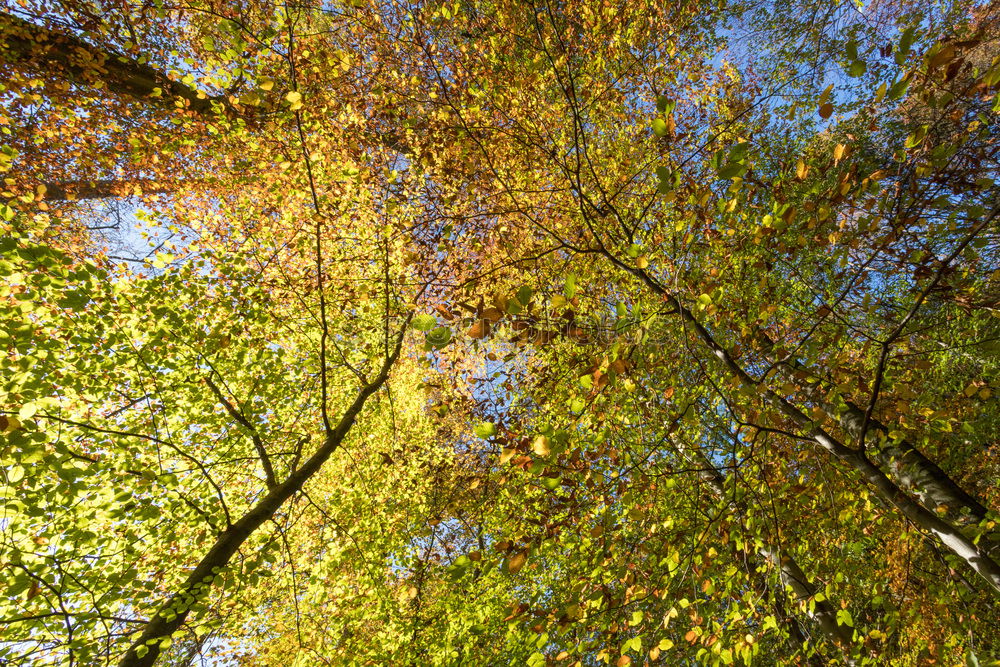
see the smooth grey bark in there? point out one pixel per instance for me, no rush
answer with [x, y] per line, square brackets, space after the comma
[907, 464]
[976, 557]
[175, 610]
[791, 575]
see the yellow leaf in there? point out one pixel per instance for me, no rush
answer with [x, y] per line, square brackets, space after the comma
[517, 562]
[541, 446]
[294, 99]
[838, 152]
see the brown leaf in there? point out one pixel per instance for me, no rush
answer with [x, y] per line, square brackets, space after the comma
[479, 330]
[825, 111]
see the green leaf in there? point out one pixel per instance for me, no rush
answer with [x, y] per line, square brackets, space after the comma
[852, 49]
[659, 127]
[439, 337]
[15, 474]
[898, 89]
[486, 430]
[732, 170]
[844, 618]
[570, 289]
[665, 104]
[857, 68]
[906, 41]
[424, 322]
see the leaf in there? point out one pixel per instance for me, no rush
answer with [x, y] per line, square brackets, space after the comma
[516, 562]
[898, 89]
[541, 445]
[479, 330]
[486, 430]
[15, 474]
[570, 288]
[423, 322]
[851, 49]
[732, 170]
[659, 127]
[294, 100]
[825, 110]
[27, 411]
[439, 337]
[825, 96]
[844, 618]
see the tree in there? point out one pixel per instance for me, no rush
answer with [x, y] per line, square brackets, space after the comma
[492, 332]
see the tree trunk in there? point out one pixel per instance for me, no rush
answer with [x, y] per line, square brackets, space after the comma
[108, 189]
[789, 572]
[976, 557]
[907, 464]
[175, 610]
[35, 47]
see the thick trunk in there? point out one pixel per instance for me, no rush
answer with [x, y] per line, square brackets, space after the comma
[908, 466]
[174, 612]
[976, 557]
[28, 45]
[791, 575]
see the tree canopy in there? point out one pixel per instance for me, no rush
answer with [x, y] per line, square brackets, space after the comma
[486, 332]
